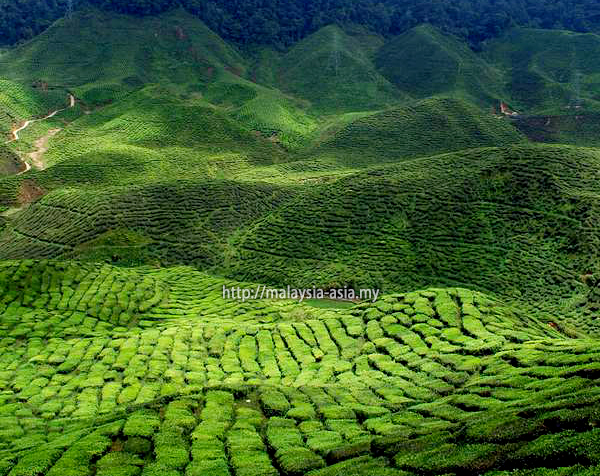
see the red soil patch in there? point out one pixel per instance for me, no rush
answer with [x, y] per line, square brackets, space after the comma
[29, 192]
[43, 85]
[117, 445]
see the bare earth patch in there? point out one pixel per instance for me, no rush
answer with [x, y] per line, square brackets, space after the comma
[41, 146]
[29, 192]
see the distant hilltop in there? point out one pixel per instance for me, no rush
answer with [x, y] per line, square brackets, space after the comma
[285, 22]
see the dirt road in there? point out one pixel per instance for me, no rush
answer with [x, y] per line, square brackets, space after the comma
[42, 143]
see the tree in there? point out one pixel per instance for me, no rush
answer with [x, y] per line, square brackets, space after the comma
[283, 22]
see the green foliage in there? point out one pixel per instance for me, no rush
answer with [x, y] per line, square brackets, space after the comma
[284, 22]
[426, 128]
[424, 62]
[557, 69]
[343, 79]
[186, 163]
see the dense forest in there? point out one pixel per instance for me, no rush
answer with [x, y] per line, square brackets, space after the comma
[282, 22]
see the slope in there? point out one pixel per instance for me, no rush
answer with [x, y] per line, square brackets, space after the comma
[424, 62]
[517, 221]
[549, 70]
[9, 161]
[167, 378]
[335, 72]
[428, 127]
[579, 128]
[154, 135]
[185, 221]
[266, 111]
[101, 56]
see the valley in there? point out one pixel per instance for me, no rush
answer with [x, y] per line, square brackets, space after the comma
[148, 163]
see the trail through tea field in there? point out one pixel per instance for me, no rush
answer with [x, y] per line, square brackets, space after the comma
[42, 143]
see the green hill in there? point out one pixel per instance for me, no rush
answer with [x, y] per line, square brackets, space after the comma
[164, 377]
[424, 62]
[517, 221]
[20, 101]
[159, 124]
[188, 167]
[178, 223]
[101, 56]
[428, 127]
[549, 70]
[576, 128]
[264, 110]
[335, 72]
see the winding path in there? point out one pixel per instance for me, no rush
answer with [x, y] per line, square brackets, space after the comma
[40, 144]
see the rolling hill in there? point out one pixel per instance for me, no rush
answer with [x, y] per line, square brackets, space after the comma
[183, 166]
[102, 56]
[549, 70]
[423, 128]
[518, 221]
[166, 381]
[342, 75]
[424, 62]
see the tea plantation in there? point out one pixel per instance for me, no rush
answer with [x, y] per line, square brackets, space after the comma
[184, 165]
[151, 372]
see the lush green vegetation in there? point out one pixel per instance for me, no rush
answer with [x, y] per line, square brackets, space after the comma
[152, 371]
[286, 21]
[451, 68]
[185, 163]
[420, 129]
[549, 69]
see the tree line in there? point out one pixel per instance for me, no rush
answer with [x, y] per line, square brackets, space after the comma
[283, 22]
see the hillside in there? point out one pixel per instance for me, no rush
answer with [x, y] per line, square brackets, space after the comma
[170, 223]
[517, 221]
[342, 76]
[549, 71]
[196, 385]
[423, 128]
[424, 62]
[576, 129]
[102, 56]
[149, 166]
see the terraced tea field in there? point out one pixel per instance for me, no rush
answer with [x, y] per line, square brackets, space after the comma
[165, 377]
[188, 165]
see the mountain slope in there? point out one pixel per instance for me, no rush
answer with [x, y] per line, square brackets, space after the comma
[428, 127]
[424, 62]
[549, 70]
[152, 372]
[518, 221]
[189, 177]
[101, 56]
[182, 222]
[334, 71]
